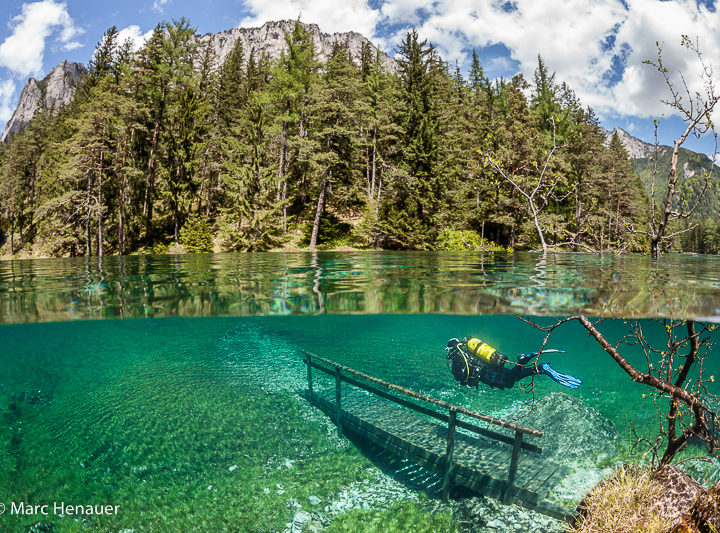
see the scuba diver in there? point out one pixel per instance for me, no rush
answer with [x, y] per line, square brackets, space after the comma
[474, 361]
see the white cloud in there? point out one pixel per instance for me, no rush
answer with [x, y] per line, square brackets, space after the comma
[23, 51]
[403, 11]
[330, 15]
[7, 100]
[583, 41]
[575, 39]
[134, 35]
[159, 5]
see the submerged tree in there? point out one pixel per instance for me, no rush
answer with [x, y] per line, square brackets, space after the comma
[696, 110]
[535, 182]
[675, 373]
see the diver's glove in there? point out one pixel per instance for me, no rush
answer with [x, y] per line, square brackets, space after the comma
[562, 379]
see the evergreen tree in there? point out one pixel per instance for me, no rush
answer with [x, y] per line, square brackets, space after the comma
[408, 215]
[337, 106]
[164, 146]
[293, 77]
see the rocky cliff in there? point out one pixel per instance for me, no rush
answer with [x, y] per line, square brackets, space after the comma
[59, 85]
[52, 92]
[635, 148]
[270, 39]
[654, 167]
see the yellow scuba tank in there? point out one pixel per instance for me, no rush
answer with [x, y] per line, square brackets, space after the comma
[480, 350]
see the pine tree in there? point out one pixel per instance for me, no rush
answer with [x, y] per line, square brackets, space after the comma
[293, 77]
[335, 107]
[416, 191]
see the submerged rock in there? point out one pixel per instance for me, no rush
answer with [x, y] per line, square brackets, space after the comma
[30, 398]
[636, 499]
[571, 429]
[299, 522]
[487, 515]
[704, 514]
[680, 492]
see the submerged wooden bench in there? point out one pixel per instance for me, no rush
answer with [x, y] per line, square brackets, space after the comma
[424, 430]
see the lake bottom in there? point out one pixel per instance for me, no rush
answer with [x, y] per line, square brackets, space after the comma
[199, 424]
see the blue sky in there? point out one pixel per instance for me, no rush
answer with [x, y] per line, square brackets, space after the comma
[597, 46]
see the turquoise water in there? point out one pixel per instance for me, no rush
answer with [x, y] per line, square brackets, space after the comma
[192, 423]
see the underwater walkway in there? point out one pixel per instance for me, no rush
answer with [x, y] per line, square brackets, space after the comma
[487, 455]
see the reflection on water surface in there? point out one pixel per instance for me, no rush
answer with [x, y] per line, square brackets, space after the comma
[367, 282]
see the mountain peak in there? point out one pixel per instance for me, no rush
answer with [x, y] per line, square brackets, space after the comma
[635, 148]
[53, 91]
[58, 87]
[270, 39]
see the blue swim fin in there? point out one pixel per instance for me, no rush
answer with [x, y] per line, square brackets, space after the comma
[525, 357]
[562, 379]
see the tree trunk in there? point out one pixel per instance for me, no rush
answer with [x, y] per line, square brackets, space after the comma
[659, 232]
[537, 227]
[373, 167]
[282, 184]
[318, 212]
[578, 211]
[100, 197]
[176, 209]
[88, 206]
[150, 186]
[176, 222]
[121, 194]
[379, 192]
[367, 171]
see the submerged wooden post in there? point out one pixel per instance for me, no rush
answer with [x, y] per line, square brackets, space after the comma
[309, 372]
[338, 406]
[517, 443]
[447, 476]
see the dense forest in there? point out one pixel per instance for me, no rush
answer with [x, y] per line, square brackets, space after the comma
[161, 150]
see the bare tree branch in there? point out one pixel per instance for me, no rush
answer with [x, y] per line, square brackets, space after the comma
[696, 111]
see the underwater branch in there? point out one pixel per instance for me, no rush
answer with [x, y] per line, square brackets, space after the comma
[688, 415]
[703, 426]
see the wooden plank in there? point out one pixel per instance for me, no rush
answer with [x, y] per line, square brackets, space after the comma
[309, 374]
[552, 480]
[544, 471]
[338, 402]
[525, 465]
[486, 484]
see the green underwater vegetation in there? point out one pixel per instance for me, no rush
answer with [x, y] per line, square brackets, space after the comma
[199, 423]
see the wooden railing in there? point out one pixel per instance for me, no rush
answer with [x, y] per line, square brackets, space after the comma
[348, 375]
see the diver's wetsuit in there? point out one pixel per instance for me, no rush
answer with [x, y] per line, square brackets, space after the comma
[489, 366]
